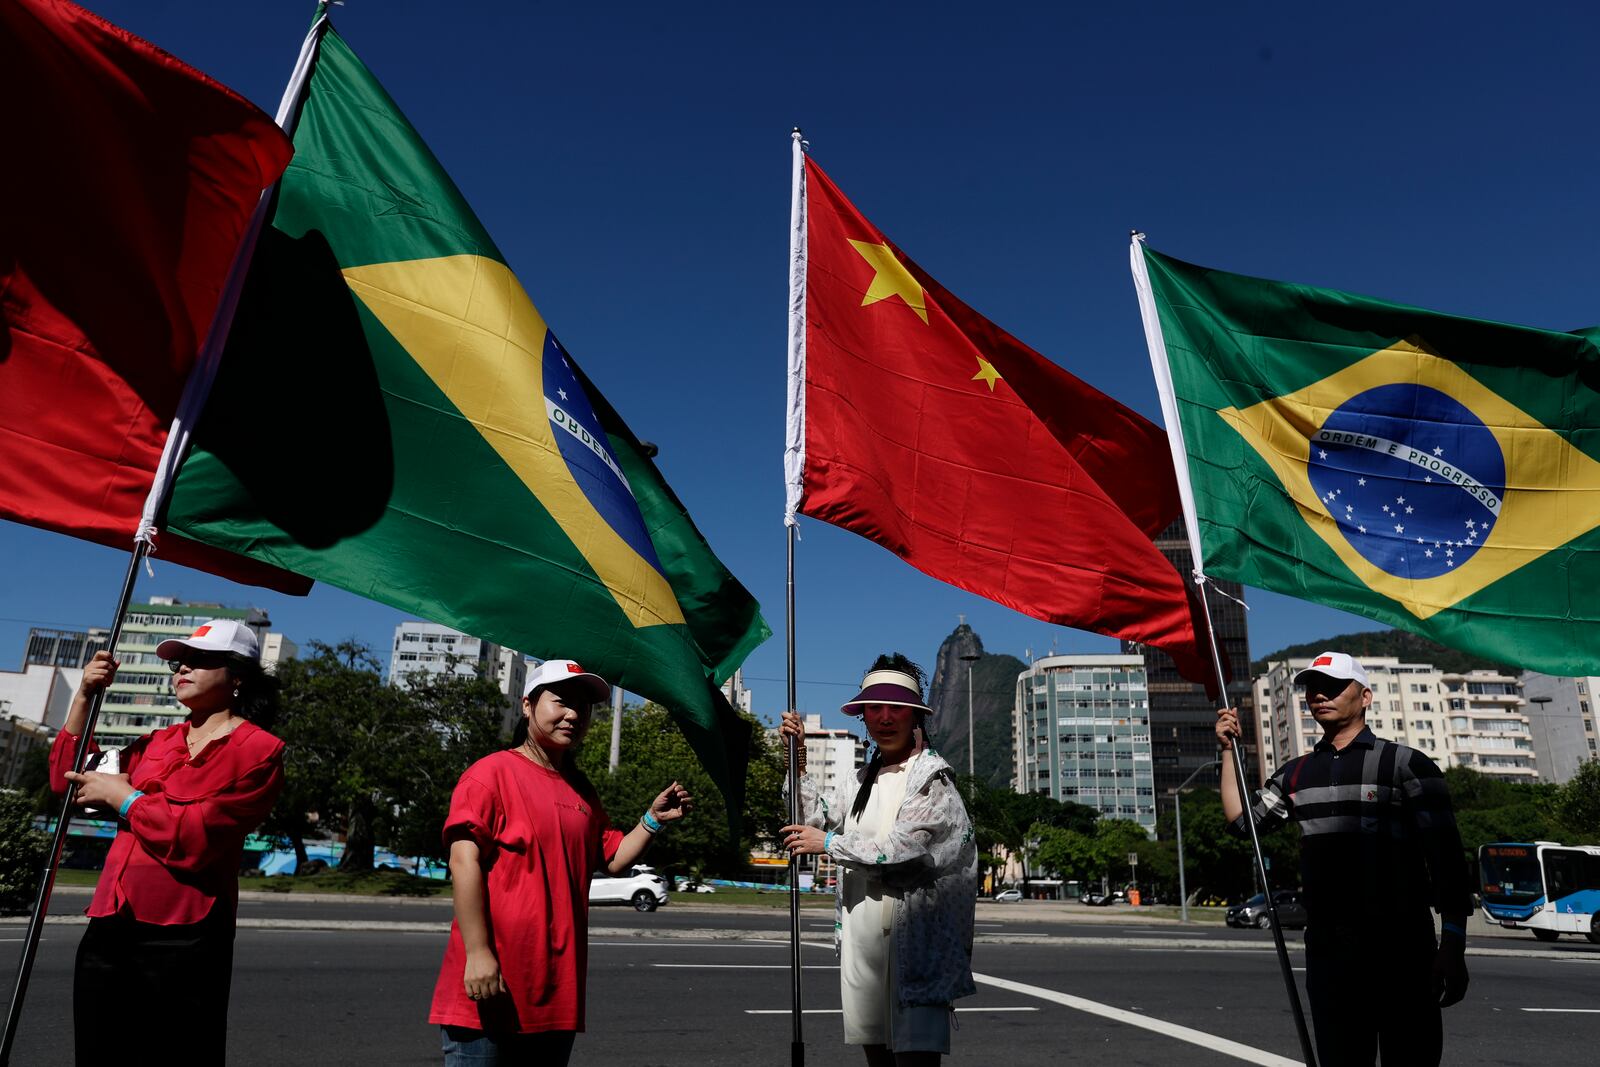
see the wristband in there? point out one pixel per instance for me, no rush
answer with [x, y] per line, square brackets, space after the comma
[650, 822]
[1452, 928]
[827, 842]
[122, 812]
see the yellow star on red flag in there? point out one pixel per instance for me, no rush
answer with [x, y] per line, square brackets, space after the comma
[891, 279]
[986, 373]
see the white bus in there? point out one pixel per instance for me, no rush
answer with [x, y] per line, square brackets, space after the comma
[1541, 886]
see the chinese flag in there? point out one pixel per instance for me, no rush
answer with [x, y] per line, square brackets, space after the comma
[129, 179]
[935, 433]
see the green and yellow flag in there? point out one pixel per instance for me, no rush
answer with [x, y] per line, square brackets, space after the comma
[1439, 474]
[394, 417]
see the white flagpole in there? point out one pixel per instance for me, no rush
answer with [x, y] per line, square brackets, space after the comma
[794, 462]
[1162, 369]
[204, 372]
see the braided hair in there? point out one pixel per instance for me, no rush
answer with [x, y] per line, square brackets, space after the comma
[889, 661]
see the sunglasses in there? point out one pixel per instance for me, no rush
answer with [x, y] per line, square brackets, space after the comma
[198, 660]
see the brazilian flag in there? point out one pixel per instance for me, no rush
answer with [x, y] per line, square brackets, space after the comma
[1436, 473]
[394, 417]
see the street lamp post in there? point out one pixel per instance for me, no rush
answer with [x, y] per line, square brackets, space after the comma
[1177, 810]
[970, 659]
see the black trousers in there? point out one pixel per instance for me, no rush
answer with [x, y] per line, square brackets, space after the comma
[1371, 991]
[135, 981]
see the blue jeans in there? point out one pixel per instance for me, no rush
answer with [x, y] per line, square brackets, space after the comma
[464, 1047]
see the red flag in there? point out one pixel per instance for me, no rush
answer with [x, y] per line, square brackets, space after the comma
[935, 433]
[128, 182]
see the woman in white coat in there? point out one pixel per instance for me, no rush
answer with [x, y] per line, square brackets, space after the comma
[905, 902]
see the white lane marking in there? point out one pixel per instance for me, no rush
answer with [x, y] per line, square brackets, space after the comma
[635, 943]
[840, 1011]
[742, 966]
[1568, 1011]
[1144, 1022]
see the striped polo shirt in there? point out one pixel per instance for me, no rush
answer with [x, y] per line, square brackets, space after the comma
[1378, 841]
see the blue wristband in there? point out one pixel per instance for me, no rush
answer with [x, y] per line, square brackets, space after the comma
[122, 812]
[1452, 928]
[651, 823]
[827, 842]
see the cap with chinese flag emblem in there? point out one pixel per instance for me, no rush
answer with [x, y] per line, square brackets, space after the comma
[552, 671]
[218, 635]
[1335, 665]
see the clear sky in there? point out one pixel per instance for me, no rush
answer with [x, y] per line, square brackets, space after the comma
[632, 161]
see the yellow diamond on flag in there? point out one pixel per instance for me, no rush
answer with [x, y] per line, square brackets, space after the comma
[1424, 522]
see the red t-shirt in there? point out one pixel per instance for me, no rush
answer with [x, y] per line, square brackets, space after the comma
[178, 852]
[539, 837]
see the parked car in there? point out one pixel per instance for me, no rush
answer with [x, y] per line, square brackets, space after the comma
[1253, 912]
[1098, 900]
[641, 886]
[686, 886]
[1008, 896]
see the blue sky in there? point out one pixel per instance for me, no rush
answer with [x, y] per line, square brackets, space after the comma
[632, 161]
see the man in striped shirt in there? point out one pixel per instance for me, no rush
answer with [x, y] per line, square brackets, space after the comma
[1378, 849]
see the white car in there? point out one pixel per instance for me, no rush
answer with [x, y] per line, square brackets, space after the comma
[686, 886]
[641, 886]
[1008, 896]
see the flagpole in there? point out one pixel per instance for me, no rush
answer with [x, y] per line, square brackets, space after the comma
[793, 469]
[1162, 370]
[195, 392]
[47, 877]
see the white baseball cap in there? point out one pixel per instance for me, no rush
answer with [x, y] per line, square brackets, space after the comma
[1335, 665]
[217, 635]
[561, 670]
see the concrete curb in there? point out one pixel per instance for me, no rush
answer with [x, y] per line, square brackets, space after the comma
[1575, 955]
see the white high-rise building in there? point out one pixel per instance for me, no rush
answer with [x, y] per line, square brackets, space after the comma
[1468, 720]
[1489, 729]
[832, 756]
[430, 648]
[1081, 725]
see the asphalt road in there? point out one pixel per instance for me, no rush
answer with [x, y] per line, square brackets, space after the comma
[699, 988]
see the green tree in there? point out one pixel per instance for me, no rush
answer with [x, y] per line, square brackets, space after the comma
[1576, 805]
[375, 761]
[1219, 864]
[653, 754]
[1488, 809]
[22, 850]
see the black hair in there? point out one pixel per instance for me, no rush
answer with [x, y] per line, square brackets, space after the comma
[889, 661]
[519, 732]
[258, 690]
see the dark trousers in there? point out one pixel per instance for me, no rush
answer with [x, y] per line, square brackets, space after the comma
[1371, 991]
[134, 981]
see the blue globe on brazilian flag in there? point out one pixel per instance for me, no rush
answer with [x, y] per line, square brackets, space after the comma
[1432, 472]
[394, 416]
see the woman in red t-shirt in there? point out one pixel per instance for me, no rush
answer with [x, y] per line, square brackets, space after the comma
[525, 832]
[162, 919]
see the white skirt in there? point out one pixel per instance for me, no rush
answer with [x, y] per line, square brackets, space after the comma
[873, 1014]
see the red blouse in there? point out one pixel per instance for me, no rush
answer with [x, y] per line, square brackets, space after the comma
[178, 851]
[539, 839]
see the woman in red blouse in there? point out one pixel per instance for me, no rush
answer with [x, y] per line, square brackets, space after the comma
[525, 832]
[162, 919]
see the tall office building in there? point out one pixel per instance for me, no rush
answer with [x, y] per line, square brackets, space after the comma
[1081, 726]
[1561, 723]
[64, 648]
[1183, 720]
[141, 699]
[431, 648]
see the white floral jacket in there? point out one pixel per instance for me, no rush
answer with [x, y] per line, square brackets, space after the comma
[928, 863]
